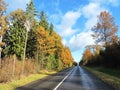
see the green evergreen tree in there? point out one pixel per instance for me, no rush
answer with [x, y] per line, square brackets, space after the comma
[30, 14]
[51, 29]
[43, 20]
[31, 11]
[15, 36]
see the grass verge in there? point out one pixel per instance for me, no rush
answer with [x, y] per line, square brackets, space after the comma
[25, 80]
[112, 77]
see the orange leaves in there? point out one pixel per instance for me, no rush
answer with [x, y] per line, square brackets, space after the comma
[41, 37]
[105, 29]
[87, 55]
[41, 32]
[19, 15]
[51, 44]
[66, 56]
[45, 42]
[2, 43]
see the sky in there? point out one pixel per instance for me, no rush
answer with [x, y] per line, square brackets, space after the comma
[72, 19]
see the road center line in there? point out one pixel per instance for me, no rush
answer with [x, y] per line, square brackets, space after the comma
[62, 80]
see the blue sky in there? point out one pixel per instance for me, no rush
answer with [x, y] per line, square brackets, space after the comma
[73, 19]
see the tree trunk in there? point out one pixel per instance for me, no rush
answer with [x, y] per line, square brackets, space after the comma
[37, 60]
[24, 53]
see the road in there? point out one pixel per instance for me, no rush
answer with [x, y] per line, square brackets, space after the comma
[75, 78]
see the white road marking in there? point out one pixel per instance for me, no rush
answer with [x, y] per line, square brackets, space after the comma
[62, 80]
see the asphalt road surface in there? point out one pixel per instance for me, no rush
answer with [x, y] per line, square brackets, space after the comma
[75, 78]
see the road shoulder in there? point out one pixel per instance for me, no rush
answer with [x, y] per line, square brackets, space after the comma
[113, 81]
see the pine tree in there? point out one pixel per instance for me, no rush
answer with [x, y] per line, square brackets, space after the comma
[30, 14]
[43, 20]
[30, 18]
[15, 36]
[31, 11]
[51, 29]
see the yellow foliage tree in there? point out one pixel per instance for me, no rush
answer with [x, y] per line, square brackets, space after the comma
[66, 56]
[87, 56]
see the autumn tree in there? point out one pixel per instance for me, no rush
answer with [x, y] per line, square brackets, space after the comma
[95, 49]
[45, 45]
[3, 24]
[105, 30]
[43, 20]
[51, 52]
[55, 47]
[58, 45]
[41, 36]
[87, 56]
[41, 44]
[33, 41]
[66, 56]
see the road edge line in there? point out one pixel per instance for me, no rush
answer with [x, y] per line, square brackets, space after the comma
[63, 80]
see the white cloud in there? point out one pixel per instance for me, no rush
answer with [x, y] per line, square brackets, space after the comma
[90, 12]
[15, 4]
[114, 3]
[64, 42]
[67, 22]
[81, 40]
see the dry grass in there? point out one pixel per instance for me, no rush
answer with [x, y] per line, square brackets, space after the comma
[18, 83]
[111, 80]
[11, 70]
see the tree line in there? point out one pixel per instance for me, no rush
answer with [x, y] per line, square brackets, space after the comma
[29, 43]
[106, 51]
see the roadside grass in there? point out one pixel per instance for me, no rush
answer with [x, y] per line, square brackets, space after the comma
[110, 76]
[14, 84]
[112, 72]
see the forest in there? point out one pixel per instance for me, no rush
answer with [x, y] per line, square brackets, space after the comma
[106, 51]
[29, 43]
